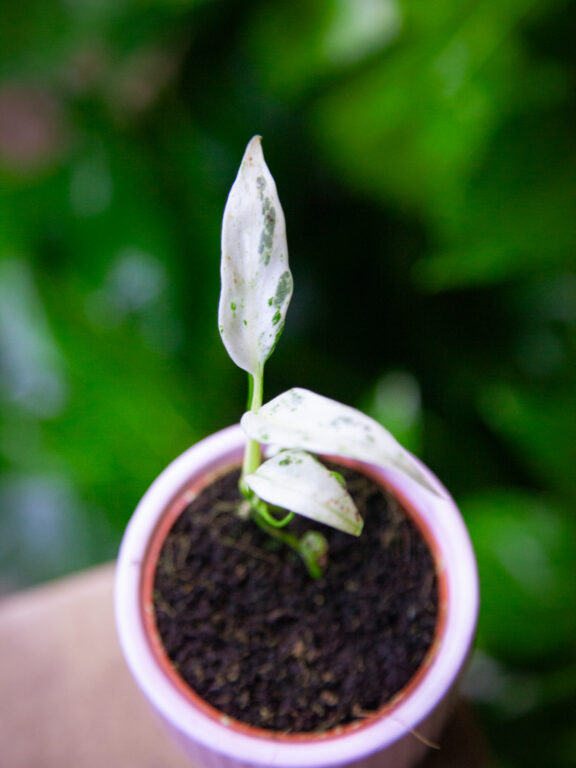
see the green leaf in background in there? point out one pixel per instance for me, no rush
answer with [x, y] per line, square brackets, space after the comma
[524, 545]
[540, 431]
[396, 402]
[297, 47]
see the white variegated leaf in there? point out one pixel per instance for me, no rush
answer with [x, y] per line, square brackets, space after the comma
[256, 279]
[302, 419]
[296, 481]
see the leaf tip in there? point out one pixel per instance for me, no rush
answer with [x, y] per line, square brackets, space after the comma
[254, 147]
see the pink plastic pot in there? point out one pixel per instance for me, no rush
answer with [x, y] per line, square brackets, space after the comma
[211, 739]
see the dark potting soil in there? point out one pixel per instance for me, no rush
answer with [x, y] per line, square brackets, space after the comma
[261, 641]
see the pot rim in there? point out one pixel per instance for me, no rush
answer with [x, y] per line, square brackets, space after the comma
[437, 517]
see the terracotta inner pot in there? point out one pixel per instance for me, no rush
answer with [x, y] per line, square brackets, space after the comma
[173, 511]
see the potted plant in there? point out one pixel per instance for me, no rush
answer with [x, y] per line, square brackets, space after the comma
[266, 640]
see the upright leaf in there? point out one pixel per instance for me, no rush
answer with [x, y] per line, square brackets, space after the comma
[302, 419]
[256, 279]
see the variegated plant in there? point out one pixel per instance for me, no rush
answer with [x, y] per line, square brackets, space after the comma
[256, 291]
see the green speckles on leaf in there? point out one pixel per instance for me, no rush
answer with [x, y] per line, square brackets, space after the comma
[295, 398]
[233, 306]
[267, 235]
[266, 243]
[345, 421]
[289, 460]
[283, 289]
[277, 317]
[337, 476]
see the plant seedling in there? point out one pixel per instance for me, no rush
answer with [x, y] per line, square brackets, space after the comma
[256, 291]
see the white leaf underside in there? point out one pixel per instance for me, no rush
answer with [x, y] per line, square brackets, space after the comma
[308, 421]
[256, 279]
[296, 481]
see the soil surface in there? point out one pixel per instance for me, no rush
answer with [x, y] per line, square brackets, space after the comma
[260, 640]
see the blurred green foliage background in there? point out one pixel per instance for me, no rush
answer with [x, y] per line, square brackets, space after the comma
[425, 157]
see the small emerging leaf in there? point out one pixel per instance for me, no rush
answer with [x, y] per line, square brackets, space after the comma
[313, 550]
[296, 481]
[302, 419]
[256, 279]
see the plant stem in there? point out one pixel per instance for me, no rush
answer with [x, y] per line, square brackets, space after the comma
[311, 563]
[260, 511]
[253, 458]
[252, 453]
